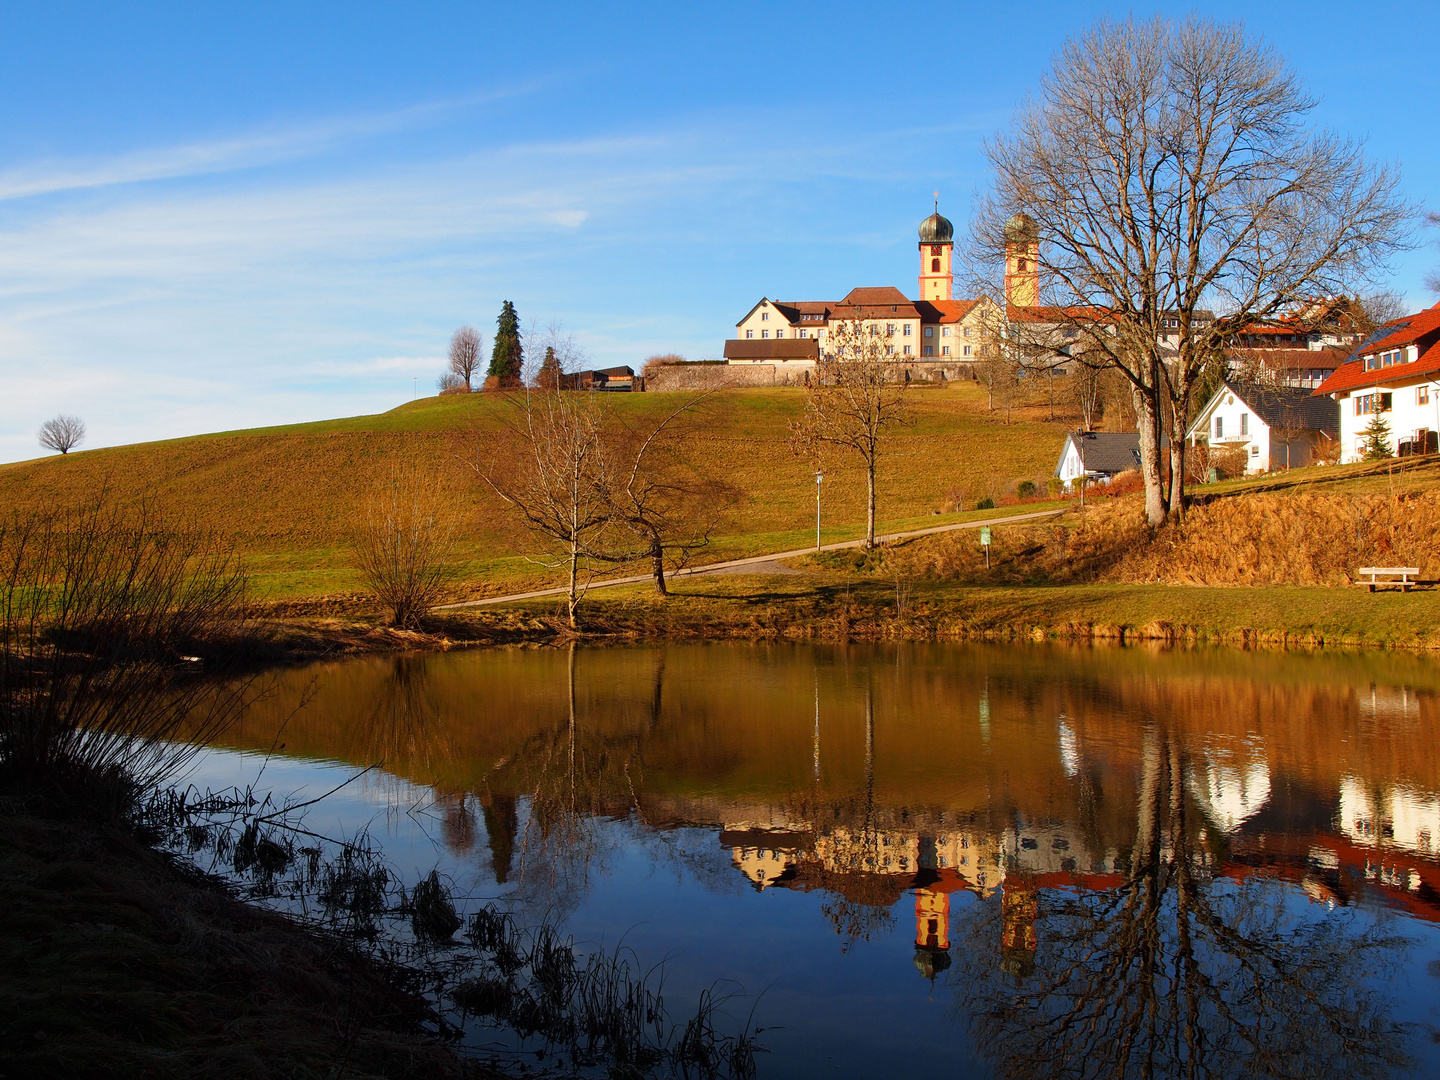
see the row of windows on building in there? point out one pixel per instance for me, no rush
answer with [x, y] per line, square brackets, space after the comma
[929, 350]
[874, 329]
[1366, 404]
[1386, 359]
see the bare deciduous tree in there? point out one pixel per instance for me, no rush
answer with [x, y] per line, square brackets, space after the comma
[63, 433]
[1165, 168]
[404, 544]
[663, 498]
[558, 475]
[855, 399]
[465, 354]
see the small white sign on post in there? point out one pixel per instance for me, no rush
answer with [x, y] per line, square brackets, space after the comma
[985, 543]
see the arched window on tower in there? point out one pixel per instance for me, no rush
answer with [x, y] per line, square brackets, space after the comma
[934, 266]
[1020, 266]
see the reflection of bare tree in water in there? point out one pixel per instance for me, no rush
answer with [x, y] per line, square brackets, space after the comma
[848, 850]
[569, 778]
[1171, 974]
[402, 731]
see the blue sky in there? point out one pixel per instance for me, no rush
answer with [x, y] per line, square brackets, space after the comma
[215, 216]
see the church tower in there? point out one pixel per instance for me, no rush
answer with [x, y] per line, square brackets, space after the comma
[937, 241]
[1022, 250]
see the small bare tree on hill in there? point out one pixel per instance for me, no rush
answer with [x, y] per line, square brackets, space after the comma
[855, 399]
[63, 433]
[668, 503]
[558, 475]
[465, 355]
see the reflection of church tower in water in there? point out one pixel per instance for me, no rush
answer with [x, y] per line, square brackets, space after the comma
[1019, 903]
[932, 931]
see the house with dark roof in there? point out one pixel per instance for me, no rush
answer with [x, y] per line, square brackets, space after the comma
[1393, 374]
[1276, 427]
[1100, 455]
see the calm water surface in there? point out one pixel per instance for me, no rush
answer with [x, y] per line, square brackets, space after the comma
[993, 860]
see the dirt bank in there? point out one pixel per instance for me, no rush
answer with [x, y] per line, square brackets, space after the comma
[121, 962]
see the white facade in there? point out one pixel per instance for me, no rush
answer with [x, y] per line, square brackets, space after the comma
[1229, 420]
[1408, 410]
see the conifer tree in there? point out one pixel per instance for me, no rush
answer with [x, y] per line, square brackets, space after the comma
[548, 377]
[507, 356]
[1377, 439]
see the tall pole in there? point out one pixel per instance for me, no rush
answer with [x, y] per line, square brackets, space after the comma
[819, 479]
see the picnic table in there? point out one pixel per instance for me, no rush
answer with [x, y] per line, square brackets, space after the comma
[1384, 576]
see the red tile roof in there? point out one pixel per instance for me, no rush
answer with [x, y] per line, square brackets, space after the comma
[1421, 329]
[771, 349]
[944, 311]
[1307, 359]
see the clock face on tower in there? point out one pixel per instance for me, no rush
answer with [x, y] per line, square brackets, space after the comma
[934, 249]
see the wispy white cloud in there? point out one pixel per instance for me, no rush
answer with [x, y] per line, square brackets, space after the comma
[259, 148]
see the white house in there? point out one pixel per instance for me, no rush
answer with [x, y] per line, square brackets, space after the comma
[1393, 374]
[1101, 454]
[1277, 427]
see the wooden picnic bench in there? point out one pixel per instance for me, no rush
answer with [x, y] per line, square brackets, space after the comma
[1380, 576]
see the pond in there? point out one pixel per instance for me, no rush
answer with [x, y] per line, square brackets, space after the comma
[997, 860]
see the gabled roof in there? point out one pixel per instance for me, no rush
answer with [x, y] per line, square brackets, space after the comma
[946, 311]
[772, 349]
[885, 302]
[1421, 330]
[1291, 407]
[1107, 452]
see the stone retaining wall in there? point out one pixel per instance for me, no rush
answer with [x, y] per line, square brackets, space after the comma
[725, 376]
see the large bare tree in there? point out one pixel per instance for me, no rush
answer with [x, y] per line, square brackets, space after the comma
[465, 354]
[63, 433]
[856, 398]
[1165, 169]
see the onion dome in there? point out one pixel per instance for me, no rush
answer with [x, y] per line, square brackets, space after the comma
[936, 230]
[1021, 228]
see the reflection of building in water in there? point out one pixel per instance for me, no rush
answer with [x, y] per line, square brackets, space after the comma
[1229, 793]
[1019, 907]
[1388, 703]
[1394, 817]
[929, 856]
[932, 930]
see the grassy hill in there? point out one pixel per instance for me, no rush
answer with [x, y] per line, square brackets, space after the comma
[288, 495]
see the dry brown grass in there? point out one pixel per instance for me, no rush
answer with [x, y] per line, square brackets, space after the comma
[1262, 539]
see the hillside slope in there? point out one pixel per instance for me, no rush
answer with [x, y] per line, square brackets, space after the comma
[288, 495]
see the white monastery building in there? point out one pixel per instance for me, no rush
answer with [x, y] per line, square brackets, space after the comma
[1394, 374]
[934, 337]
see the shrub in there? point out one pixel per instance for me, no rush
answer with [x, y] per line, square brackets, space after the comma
[1055, 487]
[403, 545]
[954, 500]
[450, 383]
[985, 504]
[1025, 489]
[655, 363]
[101, 609]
